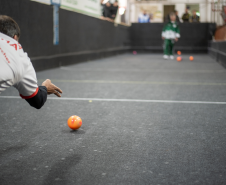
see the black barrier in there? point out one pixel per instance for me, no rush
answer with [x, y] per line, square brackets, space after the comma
[194, 37]
[217, 50]
[81, 37]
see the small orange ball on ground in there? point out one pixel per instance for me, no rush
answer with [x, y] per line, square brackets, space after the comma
[179, 52]
[74, 122]
[179, 59]
[191, 58]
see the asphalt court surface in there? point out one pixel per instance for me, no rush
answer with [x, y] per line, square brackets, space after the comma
[174, 133]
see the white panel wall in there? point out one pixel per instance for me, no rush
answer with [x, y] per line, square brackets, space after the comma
[203, 11]
[133, 13]
[180, 7]
[205, 8]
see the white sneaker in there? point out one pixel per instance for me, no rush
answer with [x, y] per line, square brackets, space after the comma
[165, 56]
[171, 57]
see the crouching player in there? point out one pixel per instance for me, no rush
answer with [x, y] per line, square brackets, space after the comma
[16, 68]
[170, 34]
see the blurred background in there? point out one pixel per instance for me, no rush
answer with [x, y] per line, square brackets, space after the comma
[62, 32]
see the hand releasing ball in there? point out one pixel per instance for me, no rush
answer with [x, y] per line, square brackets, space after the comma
[191, 58]
[74, 122]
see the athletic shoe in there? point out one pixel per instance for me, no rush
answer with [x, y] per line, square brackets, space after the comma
[165, 56]
[171, 57]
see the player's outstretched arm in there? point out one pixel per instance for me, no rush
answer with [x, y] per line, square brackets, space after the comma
[51, 88]
[40, 98]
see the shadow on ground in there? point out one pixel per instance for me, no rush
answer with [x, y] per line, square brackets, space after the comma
[58, 172]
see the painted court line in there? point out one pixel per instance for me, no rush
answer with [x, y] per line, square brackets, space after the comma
[138, 82]
[124, 100]
[140, 70]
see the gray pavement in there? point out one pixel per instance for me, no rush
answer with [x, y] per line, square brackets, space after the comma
[120, 142]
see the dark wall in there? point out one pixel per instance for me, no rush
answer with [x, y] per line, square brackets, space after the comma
[81, 37]
[218, 51]
[194, 37]
[146, 36]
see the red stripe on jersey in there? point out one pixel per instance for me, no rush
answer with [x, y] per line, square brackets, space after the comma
[31, 96]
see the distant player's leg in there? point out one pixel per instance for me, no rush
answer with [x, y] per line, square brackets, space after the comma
[171, 44]
[166, 49]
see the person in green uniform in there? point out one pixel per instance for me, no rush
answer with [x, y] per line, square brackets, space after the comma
[170, 35]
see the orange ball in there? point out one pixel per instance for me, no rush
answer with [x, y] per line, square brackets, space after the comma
[74, 122]
[179, 59]
[191, 58]
[179, 52]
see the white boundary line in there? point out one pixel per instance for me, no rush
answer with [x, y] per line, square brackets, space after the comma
[124, 100]
[143, 70]
[136, 82]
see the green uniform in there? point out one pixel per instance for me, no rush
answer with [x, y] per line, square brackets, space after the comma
[170, 32]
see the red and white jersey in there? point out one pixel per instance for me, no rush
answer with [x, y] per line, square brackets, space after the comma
[16, 68]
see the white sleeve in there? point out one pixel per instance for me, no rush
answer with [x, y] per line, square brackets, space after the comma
[6, 75]
[22, 75]
[27, 86]
[177, 35]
